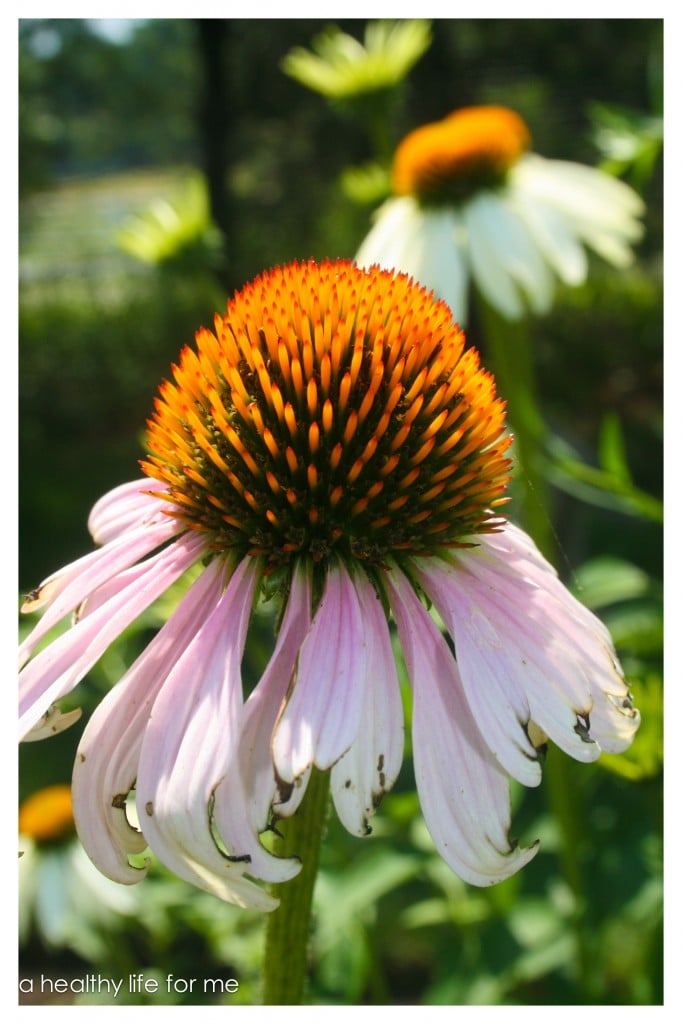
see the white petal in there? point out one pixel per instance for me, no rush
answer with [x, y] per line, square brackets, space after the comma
[488, 269]
[107, 759]
[396, 226]
[322, 715]
[62, 664]
[587, 190]
[505, 257]
[463, 792]
[554, 235]
[603, 212]
[371, 766]
[441, 260]
[189, 744]
[429, 245]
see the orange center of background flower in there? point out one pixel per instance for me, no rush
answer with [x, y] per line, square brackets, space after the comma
[47, 815]
[448, 160]
[333, 412]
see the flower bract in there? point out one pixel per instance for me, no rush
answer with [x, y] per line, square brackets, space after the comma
[333, 445]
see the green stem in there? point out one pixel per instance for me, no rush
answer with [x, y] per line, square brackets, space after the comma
[511, 358]
[563, 802]
[287, 930]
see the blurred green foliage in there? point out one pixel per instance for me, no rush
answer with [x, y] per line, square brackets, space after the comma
[341, 68]
[108, 130]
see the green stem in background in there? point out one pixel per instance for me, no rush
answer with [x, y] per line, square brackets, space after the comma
[287, 930]
[510, 357]
[564, 805]
[511, 360]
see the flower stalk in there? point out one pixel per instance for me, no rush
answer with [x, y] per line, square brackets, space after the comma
[511, 357]
[287, 930]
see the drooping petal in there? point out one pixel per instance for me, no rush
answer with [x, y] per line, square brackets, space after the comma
[463, 792]
[568, 649]
[52, 722]
[393, 223]
[370, 767]
[441, 260]
[251, 787]
[108, 754]
[487, 668]
[430, 245]
[63, 663]
[513, 672]
[68, 587]
[189, 745]
[125, 507]
[554, 235]
[604, 212]
[515, 555]
[505, 261]
[322, 713]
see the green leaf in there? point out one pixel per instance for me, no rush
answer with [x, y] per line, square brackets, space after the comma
[566, 471]
[606, 581]
[612, 454]
[366, 185]
[636, 627]
[629, 141]
[341, 899]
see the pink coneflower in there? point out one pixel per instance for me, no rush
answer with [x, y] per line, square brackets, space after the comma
[335, 442]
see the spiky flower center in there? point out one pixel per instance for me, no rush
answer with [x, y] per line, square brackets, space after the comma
[333, 413]
[47, 816]
[450, 160]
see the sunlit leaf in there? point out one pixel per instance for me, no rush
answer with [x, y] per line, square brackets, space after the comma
[612, 453]
[606, 581]
[367, 185]
[343, 898]
[566, 471]
[173, 227]
[340, 67]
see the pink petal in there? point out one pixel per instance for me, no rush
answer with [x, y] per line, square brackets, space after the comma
[371, 765]
[52, 722]
[569, 647]
[108, 754]
[549, 671]
[70, 586]
[60, 666]
[464, 793]
[254, 787]
[488, 670]
[125, 507]
[322, 715]
[189, 745]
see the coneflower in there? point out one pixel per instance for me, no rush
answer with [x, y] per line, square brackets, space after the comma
[334, 440]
